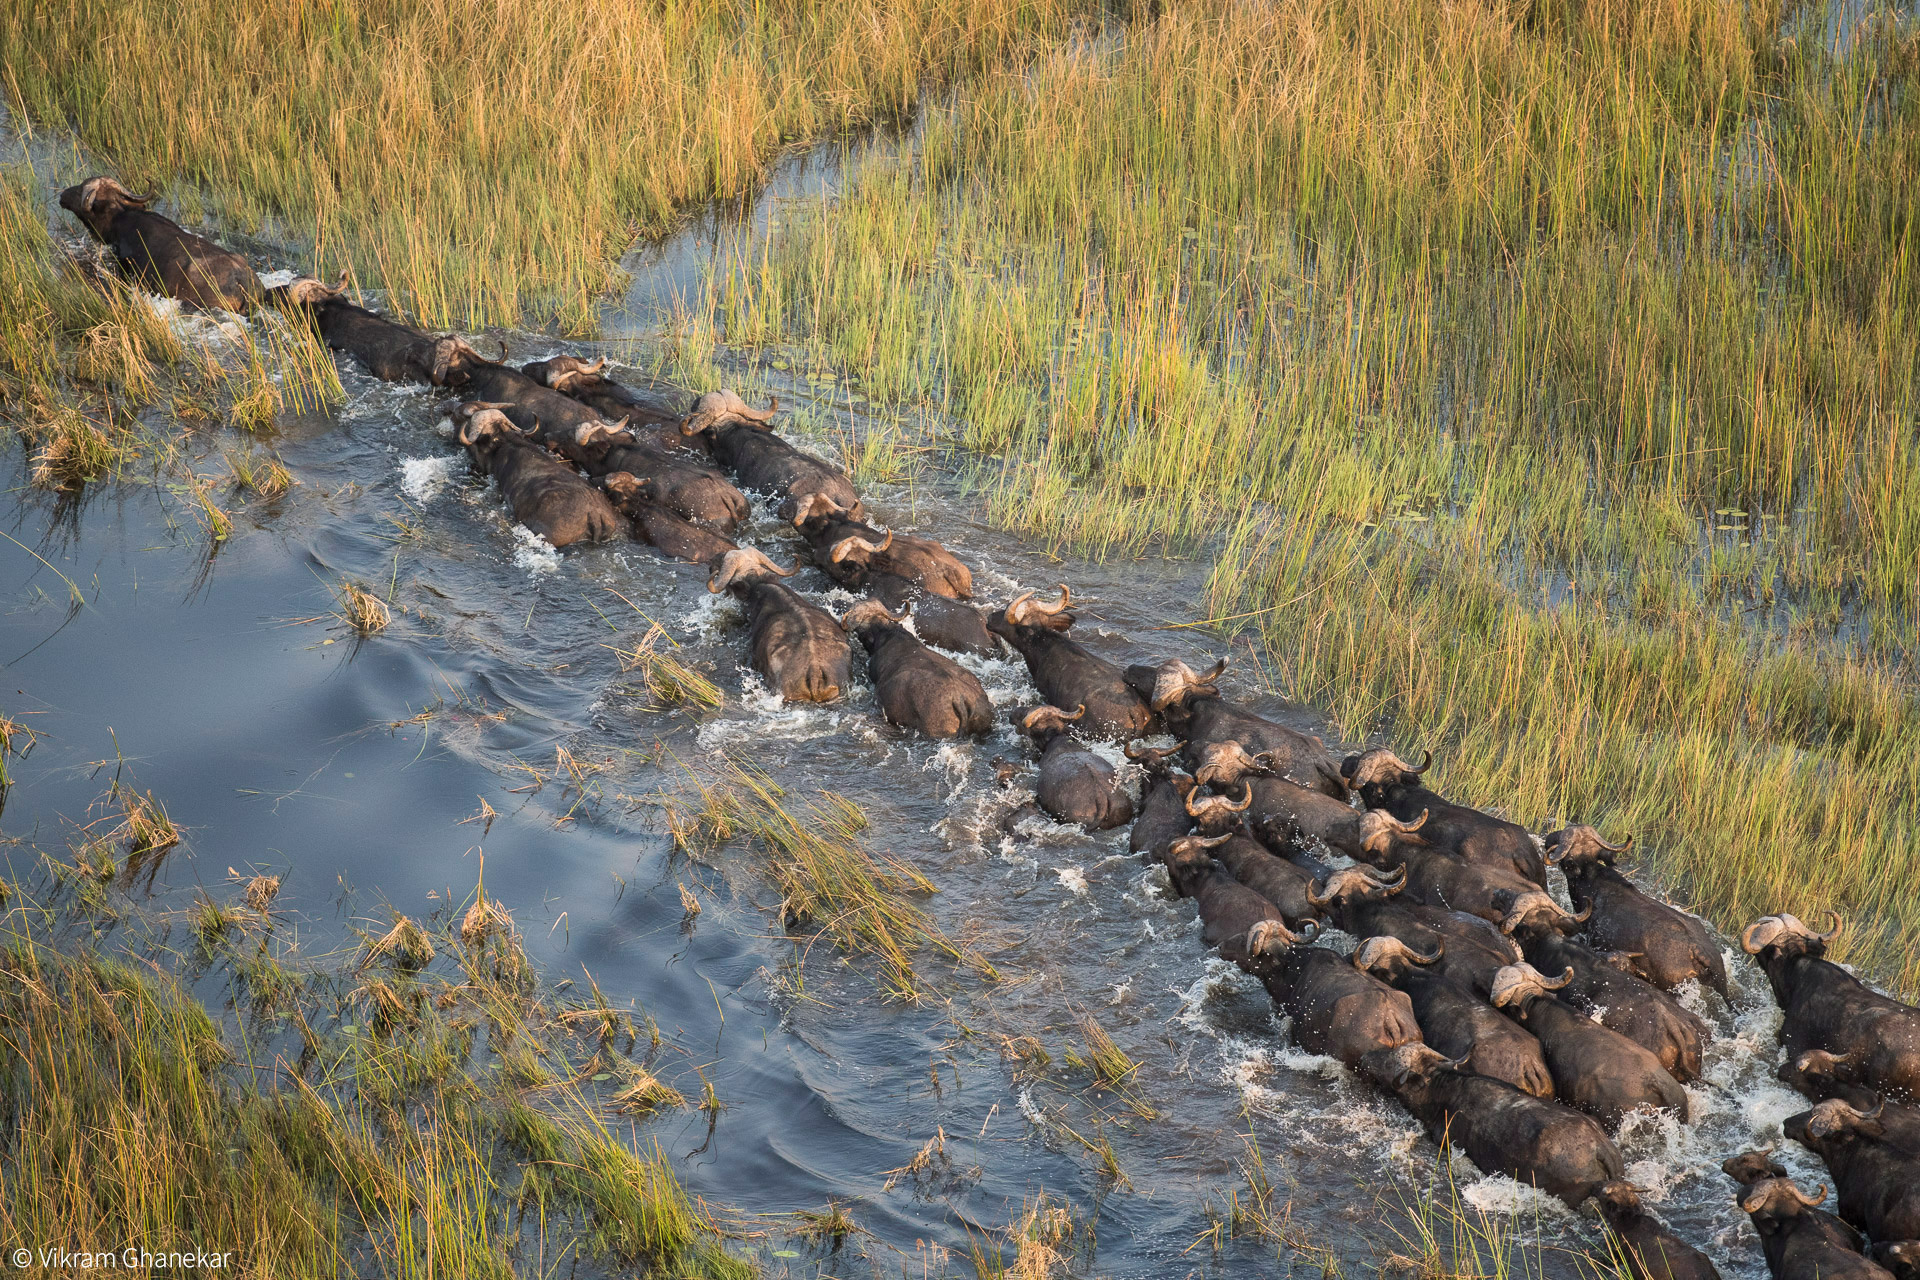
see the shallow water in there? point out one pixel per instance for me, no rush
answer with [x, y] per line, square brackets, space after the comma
[282, 743]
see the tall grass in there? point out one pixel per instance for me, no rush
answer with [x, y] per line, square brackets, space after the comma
[1541, 375]
[476, 158]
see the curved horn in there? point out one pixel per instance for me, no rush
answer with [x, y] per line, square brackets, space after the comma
[1317, 894]
[854, 542]
[1060, 606]
[1838, 925]
[593, 367]
[1807, 1201]
[1750, 936]
[1384, 879]
[1565, 978]
[1150, 755]
[1408, 828]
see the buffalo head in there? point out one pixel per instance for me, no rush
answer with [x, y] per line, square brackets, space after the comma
[1380, 767]
[1209, 810]
[1272, 937]
[1408, 1066]
[1833, 1117]
[1044, 722]
[870, 613]
[1025, 611]
[563, 373]
[98, 200]
[1777, 1197]
[1153, 759]
[744, 565]
[1750, 1167]
[1354, 884]
[450, 357]
[1387, 958]
[1227, 762]
[1517, 984]
[1378, 829]
[1619, 1202]
[855, 545]
[1581, 845]
[1786, 935]
[308, 292]
[1174, 682]
[1536, 911]
[818, 506]
[481, 426]
[723, 408]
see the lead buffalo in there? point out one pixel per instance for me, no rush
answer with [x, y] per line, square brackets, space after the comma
[799, 647]
[546, 495]
[1594, 1068]
[1501, 1129]
[917, 688]
[1385, 781]
[1191, 704]
[1455, 1020]
[1666, 946]
[1075, 784]
[158, 253]
[1065, 673]
[761, 460]
[1828, 1008]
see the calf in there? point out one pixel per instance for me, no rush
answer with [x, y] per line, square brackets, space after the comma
[799, 647]
[1665, 945]
[157, 253]
[1075, 784]
[1534, 1140]
[917, 688]
[546, 495]
[1065, 673]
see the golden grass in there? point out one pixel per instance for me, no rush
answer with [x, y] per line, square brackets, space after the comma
[362, 610]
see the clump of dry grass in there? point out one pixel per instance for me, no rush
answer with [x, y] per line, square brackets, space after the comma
[265, 477]
[261, 890]
[361, 609]
[671, 682]
[646, 1093]
[71, 449]
[406, 945]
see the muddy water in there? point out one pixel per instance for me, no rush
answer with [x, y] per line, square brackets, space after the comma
[284, 744]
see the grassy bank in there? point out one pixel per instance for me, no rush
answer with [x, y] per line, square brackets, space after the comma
[479, 159]
[1542, 376]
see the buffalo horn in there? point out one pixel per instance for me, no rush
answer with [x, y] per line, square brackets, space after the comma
[1211, 804]
[854, 542]
[1150, 755]
[1838, 925]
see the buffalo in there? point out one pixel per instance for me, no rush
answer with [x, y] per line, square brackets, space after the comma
[671, 533]
[1901, 1258]
[851, 551]
[1362, 903]
[1163, 814]
[917, 688]
[1828, 1008]
[1594, 1068]
[1065, 673]
[951, 624]
[1234, 919]
[390, 350]
[761, 460]
[1650, 1249]
[1823, 1076]
[1455, 1020]
[1799, 1241]
[1878, 1180]
[1337, 1008]
[650, 420]
[1443, 877]
[1275, 879]
[546, 495]
[1621, 1000]
[159, 254]
[1192, 707]
[1503, 1130]
[799, 647]
[1666, 946]
[1385, 781]
[1075, 784]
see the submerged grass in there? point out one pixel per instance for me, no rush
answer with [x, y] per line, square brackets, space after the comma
[1541, 376]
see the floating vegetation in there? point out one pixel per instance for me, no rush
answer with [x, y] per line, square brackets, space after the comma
[362, 610]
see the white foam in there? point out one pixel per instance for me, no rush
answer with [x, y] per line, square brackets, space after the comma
[534, 553]
[422, 478]
[276, 279]
[1073, 880]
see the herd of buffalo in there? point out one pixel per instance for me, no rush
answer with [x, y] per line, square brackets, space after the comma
[1513, 1027]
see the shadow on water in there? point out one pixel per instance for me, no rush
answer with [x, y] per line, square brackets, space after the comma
[281, 744]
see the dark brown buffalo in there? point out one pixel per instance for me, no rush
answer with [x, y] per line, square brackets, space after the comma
[1878, 1180]
[1822, 1076]
[761, 460]
[852, 551]
[1385, 781]
[1799, 1241]
[669, 532]
[1065, 673]
[652, 421]
[1534, 1140]
[1192, 707]
[1828, 1008]
[1623, 1001]
[547, 496]
[1665, 945]
[391, 351]
[1593, 1068]
[157, 253]
[1362, 902]
[1275, 879]
[1163, 812]
[1235, 920]
[917, 688]
[799, 647]
[1650, 1249]
[951, 624]
[1901, 1258]
[1455, 1020]
[1075, 784]
[1337, 1008]
[1752, 1168]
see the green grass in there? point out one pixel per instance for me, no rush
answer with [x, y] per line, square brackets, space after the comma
[1540, 380]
